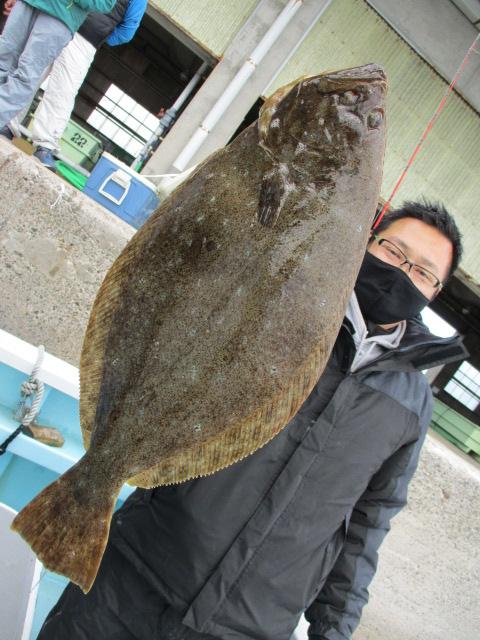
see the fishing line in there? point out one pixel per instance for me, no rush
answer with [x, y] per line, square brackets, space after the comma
[428, 128]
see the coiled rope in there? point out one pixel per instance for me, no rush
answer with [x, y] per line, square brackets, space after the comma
[31, 389]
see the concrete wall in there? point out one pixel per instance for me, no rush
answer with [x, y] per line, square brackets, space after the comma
[55, 248]
[441, 34]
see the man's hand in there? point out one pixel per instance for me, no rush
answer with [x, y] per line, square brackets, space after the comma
[8, 6]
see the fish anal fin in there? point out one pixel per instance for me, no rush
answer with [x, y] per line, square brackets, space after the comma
[107, 301]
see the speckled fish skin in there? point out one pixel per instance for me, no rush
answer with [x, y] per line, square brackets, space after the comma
[217, 319]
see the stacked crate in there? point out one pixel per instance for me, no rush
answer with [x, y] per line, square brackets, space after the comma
[457, 429]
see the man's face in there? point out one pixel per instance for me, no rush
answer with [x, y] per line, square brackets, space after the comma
[423, 245]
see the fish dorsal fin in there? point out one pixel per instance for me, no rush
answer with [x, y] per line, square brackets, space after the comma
[274, 190]
[96, 335]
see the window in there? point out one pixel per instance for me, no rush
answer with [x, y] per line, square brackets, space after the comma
[122, 120]
[465, 386]
[436, 324]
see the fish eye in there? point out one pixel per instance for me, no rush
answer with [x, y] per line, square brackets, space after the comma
[374, 119]
[348, 98]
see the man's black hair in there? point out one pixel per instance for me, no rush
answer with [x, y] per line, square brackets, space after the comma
[434, 214]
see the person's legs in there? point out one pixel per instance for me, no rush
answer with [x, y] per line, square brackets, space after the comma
[14, 37]
[66, 76]
[47, 38]
[14, 124]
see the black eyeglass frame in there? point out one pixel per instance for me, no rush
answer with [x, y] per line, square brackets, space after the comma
[438, 284]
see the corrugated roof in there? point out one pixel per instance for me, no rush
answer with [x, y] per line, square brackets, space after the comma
[211, 23]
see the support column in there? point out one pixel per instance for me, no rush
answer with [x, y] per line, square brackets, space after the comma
[239, 51]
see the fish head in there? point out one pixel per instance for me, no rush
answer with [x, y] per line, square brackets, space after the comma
[327, 122]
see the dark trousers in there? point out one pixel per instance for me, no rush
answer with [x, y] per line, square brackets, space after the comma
[120, 606]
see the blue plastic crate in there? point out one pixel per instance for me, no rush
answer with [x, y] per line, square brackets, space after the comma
[121, 190]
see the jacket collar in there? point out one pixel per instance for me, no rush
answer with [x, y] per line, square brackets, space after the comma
[418, 349]
[425, 350]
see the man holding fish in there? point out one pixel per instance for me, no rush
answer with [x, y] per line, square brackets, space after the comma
[260, 376]
[172, 569]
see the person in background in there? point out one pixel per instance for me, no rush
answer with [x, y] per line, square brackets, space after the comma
[4, 14]
[296, 526]
[35, 33]
[69, 71]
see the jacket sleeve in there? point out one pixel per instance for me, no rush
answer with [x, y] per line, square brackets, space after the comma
[125, 30]
[335, 613]
[100, 6]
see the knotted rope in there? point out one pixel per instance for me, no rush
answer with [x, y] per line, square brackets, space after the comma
[30, 389]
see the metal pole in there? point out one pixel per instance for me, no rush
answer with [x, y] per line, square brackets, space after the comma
[168, 119]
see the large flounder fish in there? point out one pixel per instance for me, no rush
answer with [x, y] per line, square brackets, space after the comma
[215, 322]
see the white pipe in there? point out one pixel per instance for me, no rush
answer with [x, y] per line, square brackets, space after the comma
[237, 83]
[190, 86]
[170, 116]
[323, 6]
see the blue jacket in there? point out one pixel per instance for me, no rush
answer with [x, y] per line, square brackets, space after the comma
[126, 29]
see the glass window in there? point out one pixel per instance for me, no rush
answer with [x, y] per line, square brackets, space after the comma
[465, 386]
[436, 324]
[138, 123]
[114, 93]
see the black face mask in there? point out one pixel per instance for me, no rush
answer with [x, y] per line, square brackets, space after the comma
[385, 293]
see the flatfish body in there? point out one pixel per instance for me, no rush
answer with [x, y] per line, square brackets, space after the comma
[215, 322]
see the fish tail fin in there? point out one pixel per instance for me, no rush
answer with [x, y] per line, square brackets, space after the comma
[67, 525]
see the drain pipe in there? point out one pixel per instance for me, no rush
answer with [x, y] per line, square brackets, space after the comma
[236, 84]
[168, 119]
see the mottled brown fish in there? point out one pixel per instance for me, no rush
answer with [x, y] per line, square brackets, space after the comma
[214, 323]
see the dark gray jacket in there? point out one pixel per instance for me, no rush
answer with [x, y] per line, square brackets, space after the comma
[296, 526]
[98, 26]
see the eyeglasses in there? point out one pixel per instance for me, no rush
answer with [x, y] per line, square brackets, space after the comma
[393, 255]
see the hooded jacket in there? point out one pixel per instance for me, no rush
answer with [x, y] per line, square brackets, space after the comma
[296, 526]
[71, 12]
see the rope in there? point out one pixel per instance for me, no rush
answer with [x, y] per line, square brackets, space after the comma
[59, 197]
[25, 415]
[428, 128]
[162, 175]
[33, 386]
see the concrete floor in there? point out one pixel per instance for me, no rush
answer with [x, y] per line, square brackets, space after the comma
[427, 586]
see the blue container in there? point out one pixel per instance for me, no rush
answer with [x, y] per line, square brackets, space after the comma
[121, 190]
